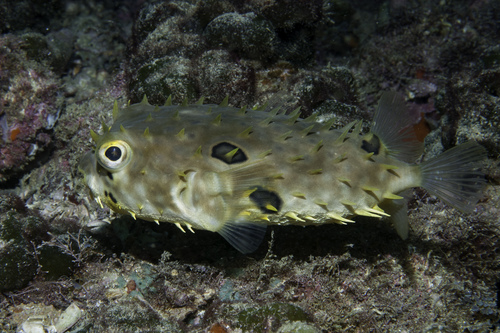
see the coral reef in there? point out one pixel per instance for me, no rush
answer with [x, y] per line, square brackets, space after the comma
[59, 253]
[247, 51]
[29, 103]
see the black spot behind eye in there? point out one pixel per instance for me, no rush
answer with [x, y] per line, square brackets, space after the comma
[110, 175]
[224, 151]
[372, 145]
[112, 197]
[113, 153]
[265, 199]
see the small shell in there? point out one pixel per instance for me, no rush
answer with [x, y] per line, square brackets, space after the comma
[68, 318]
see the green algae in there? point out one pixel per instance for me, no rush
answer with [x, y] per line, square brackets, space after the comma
[18, 261]
[19, 265]
[255, 319]
[129, 315]
[161, 78]
[248, 34]
[54, 263]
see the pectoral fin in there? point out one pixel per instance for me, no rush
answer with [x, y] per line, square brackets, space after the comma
[243, 236]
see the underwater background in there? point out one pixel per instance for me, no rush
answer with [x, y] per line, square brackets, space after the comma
[65, 268]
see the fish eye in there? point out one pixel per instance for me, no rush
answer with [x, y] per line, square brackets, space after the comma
[114, 155]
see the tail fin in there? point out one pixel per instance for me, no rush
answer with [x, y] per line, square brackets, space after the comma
[453, 177]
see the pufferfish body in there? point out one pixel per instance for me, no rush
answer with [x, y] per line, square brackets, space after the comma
[234, 171]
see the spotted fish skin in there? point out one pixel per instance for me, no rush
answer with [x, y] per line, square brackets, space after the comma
[232, 171]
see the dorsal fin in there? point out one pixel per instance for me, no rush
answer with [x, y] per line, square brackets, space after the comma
[394, 128]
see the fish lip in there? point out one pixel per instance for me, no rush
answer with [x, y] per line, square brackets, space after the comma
[87, 167]
[86, 163]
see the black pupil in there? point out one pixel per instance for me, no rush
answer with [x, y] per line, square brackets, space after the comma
[113, 153]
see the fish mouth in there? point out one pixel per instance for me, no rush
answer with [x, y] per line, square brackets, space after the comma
[87, 167]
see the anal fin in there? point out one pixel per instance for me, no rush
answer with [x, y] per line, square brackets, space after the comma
[398, 209]
[400, 220]
[243, 236]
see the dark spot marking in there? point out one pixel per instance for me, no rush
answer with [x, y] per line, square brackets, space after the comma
[112, 198]
[110, 175]
[372, 145]
[220, 150]
[105, 193]
[113, 153]
[100, 170]
[262, 198]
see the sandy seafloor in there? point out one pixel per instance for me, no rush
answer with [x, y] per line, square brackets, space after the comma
[65, 268]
